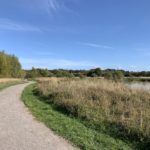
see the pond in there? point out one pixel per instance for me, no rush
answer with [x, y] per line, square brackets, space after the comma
[139, 85]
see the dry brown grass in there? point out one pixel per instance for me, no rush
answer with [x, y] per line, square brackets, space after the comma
[99, 100]
[4, 80]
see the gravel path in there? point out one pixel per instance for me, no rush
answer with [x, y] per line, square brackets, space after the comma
[19, 130]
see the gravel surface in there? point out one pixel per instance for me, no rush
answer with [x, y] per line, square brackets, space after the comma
[18, 128]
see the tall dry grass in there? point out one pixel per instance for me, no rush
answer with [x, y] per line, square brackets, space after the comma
[98, 100]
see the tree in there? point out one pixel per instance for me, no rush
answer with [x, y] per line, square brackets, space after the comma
[62, 73]
[115, 75]
[43, 72]
[108, 75]
[95, 72]
[118, 76]
[15, 66]
[9, 65]
[98, 72]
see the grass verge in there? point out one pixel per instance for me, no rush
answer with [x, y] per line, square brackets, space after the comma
[72, 129]
[137, 79]
[8, 84]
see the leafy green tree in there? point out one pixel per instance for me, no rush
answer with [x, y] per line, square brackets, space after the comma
[9, 65]
[108, 75]
[62, 73]
[44, 72]
[95, 72]
[98, 72]
[15, 66]
[115, 75]
[118, 76]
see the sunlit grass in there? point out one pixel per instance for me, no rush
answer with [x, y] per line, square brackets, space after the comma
[6, 82]
[71, 128]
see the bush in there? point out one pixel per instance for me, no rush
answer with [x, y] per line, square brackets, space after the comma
[108, 76]
[95, 72]
[116, 76]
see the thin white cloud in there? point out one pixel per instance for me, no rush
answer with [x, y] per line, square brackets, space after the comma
[97, 45]
[7, 24]
[55, 63]
[54, 4]
[48, 6]
[57, 5]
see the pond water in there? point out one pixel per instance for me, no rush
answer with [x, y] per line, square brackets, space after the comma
[139, 85]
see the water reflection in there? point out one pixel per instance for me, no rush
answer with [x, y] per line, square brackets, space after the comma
[139, 85]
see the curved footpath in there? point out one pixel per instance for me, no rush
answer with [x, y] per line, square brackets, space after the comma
[19, 130]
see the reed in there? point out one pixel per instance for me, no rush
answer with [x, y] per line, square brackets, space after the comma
[99, 101]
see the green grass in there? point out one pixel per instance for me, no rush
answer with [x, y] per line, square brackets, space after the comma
[137, 79]
[8, 84]
[74, 130]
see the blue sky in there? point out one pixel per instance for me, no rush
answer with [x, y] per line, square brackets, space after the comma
[77, 34]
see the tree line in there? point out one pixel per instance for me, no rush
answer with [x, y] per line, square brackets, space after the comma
[110, 74]
[10, 66]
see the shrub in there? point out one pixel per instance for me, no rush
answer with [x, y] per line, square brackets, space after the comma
[116, 76]
[108, 76]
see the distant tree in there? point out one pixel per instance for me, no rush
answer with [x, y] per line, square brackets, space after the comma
[118, 76]
[51, 74]
[115, 75]
[43, 72]
[108, 75]
[95, 72]
[98, 72]
[62, 73]
[33, 73]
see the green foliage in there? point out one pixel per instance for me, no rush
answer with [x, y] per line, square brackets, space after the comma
[137, 79]
[95, 72]
[44, 72]
[116, 76]
[62, 73]
[37, 72]
[9, 66]
[108, 76]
